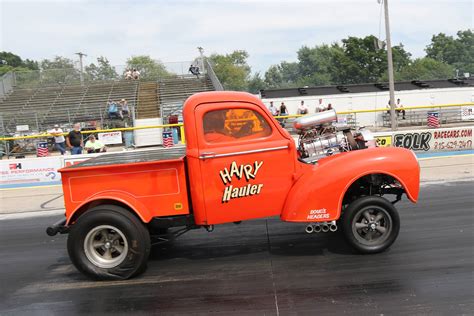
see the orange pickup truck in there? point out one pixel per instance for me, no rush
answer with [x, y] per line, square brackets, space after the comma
[238, 164]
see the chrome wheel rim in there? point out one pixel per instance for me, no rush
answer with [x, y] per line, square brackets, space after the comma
[372, 225]
[105, 246]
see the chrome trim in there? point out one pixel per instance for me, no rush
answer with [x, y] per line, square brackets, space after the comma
[203, 157]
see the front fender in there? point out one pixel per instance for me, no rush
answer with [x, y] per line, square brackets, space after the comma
[317, 195]
[119, 197]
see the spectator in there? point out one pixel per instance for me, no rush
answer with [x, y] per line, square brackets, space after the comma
[320, 107]
[194, 70]
[112, 109]
[329, 107]
[273, 109]
[283, 109]
[135, 74]
[302, 109]
[74, 140]
[94, 146]
[283, 112]
[400, 109]
[124, 110]
[59, 139]
[128, 74]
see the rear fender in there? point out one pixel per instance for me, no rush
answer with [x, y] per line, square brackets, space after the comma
[318, 194]
[108, 197]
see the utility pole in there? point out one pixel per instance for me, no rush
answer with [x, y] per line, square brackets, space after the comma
[391, 83]
[201, 52]
[81, 74]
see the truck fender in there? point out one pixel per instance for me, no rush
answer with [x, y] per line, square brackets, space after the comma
[112, 197]
[318, 194]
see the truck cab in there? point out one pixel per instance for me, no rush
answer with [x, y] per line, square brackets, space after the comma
[238, 164]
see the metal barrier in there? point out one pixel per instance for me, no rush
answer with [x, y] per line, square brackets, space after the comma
[181, 125]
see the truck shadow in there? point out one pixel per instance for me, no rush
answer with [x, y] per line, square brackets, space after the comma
[281, 239]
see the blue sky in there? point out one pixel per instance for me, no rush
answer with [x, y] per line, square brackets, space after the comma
[270, 31]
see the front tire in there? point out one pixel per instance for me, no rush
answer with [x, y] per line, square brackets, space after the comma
[109, 243]
[371, 224]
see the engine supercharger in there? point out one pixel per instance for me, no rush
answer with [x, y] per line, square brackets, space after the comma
[320, 137]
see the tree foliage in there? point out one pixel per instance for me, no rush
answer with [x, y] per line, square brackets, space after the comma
[232, 69]
[149, 68]
[457, 52]
[102, 71]
[12, 62]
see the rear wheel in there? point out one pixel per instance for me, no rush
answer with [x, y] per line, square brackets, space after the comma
[371, 224]
[109, 243]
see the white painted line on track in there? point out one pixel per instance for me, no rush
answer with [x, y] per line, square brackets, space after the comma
[30, 214]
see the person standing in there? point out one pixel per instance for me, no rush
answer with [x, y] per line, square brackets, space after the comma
[74, 140]
[302, 109]
[59, 140]
[273, 109]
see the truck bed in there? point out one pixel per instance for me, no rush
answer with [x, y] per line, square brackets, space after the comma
[131, 157]
[153, 182]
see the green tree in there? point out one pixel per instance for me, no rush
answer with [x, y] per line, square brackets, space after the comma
[102, 71]
[256, 83]
[458, 52]
[232, 69]
[58, 70]
[12, 62]
[316, 65]
[149, 68]
[425, 69]
[362, 62]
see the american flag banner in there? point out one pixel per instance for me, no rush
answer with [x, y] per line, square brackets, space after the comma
[42, 149]
[167, 139]
[433, 119]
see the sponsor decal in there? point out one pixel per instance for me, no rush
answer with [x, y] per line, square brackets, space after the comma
[384, 141]
[245, 171]
[318, 214]
[413, 141]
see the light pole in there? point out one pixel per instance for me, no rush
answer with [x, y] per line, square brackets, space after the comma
[81, 74]
[201, 53]
[391, 84]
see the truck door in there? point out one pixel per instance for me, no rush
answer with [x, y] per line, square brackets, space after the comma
[246, 161]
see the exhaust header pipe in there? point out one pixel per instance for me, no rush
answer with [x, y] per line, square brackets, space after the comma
[321, 227]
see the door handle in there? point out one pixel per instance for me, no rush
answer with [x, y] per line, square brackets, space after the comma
[207, 155]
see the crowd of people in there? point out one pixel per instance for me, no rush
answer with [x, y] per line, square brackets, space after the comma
[132, 74]
[74, 141]
[302, 108]
[117, 110]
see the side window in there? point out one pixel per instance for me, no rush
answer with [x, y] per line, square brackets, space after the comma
[234, 124]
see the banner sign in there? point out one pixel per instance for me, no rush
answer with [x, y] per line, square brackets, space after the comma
[30, 170]
[435, 140]
[111, 138]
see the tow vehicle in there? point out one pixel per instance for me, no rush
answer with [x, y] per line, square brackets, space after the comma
[238, 164]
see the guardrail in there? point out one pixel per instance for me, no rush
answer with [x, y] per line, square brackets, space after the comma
[181, 125]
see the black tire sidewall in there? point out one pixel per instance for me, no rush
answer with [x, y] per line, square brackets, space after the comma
[351, 211]
[134, 231]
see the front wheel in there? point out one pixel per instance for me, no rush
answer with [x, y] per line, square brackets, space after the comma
[109, 243]
[371, 224]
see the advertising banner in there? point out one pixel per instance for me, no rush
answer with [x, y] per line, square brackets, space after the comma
[31, 171]
[456, 138]
[111, 138]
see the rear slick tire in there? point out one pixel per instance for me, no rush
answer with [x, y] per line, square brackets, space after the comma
[109, 243]
[371, 224]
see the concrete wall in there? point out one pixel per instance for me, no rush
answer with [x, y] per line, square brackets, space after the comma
[378, 100]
